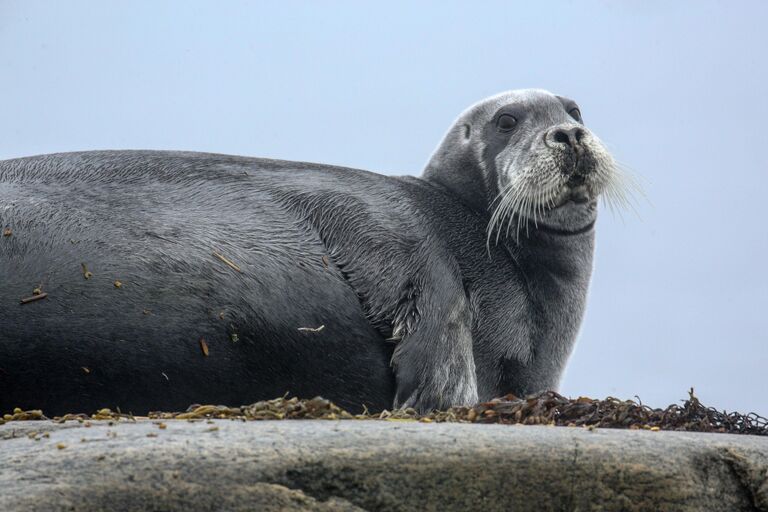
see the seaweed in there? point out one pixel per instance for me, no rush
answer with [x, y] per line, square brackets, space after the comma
[547, 408]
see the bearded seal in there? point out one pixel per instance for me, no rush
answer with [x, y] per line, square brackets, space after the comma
[168, 278]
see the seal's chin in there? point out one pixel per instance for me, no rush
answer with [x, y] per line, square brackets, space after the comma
[574, 214]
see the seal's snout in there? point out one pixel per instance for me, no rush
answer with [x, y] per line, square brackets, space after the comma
[576, 147]
[570, 137]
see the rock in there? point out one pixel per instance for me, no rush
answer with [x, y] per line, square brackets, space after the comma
[374, 465]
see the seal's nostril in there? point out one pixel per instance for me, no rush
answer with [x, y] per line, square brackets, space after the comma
[561, 137]
[579, 134]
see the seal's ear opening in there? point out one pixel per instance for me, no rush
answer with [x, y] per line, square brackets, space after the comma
[467, 131]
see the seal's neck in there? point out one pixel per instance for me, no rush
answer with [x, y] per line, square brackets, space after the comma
[555, 270]
[563, 258]
[559, 246]
[459, 173]
[468, 186]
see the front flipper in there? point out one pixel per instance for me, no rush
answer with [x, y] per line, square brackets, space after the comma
[433, 361]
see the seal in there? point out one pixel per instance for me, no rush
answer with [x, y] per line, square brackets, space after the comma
[148, 280]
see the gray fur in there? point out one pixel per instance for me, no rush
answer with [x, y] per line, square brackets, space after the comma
[461, 285]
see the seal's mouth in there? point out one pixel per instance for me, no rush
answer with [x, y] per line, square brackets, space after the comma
[578, 189]
[579, 194]
[575, 191]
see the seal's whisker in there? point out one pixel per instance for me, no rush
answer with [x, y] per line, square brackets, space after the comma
[535, 199]
[506, 200]
[512, 207]
[524, 213]
[517, 207]
[621, 191]
[632, 184]
[500, 196]
[509, 211]
[504, 204]
[495, 206]
[526, 198]
[543, 196]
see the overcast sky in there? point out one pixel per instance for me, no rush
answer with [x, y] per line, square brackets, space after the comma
[678, 91]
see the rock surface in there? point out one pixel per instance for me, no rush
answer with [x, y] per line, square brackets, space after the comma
[374, 465]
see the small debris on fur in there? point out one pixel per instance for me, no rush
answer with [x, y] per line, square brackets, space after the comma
[312, 329]
[7, 232]
[34, 298]
[204, 347]
[227, 261]
[548, 408]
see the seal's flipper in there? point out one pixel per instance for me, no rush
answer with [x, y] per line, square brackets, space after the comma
[433, 362]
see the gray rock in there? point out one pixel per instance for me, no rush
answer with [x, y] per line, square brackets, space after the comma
[375, 465]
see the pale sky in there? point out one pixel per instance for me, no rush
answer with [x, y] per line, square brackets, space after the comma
[677, 90]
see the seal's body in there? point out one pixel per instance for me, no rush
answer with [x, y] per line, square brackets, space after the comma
[176, 278]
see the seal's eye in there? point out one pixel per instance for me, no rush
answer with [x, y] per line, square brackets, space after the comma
[575, 113]
[506, 122]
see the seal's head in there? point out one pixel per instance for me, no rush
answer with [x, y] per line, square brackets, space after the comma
[527, 159]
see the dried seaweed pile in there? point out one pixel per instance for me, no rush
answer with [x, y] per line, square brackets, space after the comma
[548, 408]
[278, 409]
[552, 408]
